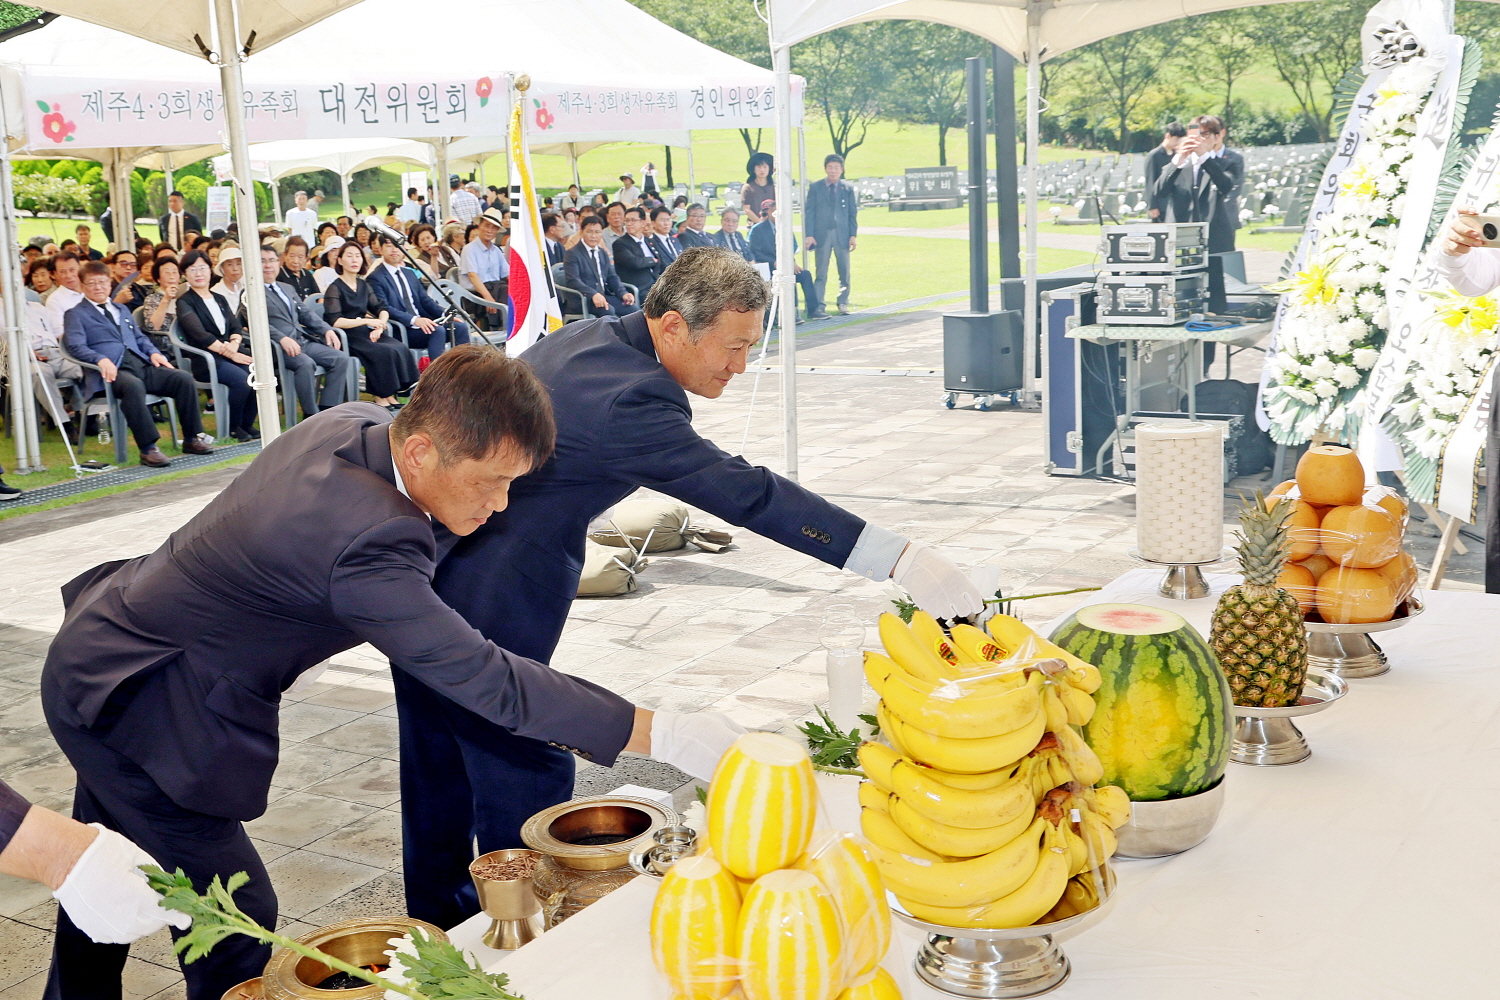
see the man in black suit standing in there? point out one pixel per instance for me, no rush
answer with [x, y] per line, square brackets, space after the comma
[693, 235]
[167, 708]
[305, 338]
[1203, 182]
[177, 221]
[729, 236]
[1155, 161]
[99, 332]
[588, 269]
[552, 232]
[636, 258]
[763, 246]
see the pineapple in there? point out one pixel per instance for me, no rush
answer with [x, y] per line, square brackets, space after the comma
[1257, 631]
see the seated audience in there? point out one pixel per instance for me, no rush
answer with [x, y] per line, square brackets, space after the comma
[294, 268]
[729, 235]
[589, 270]
[763, 245]
[400, 288]
[352, 307]
[636, 260]
[305, 340]
[483, 271]
[206, 321]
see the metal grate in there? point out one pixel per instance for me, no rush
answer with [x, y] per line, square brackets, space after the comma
[126, 475]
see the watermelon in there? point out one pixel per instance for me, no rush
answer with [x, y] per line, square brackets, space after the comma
[1162, 721]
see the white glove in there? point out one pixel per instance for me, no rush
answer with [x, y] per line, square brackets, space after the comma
[693, 742]
[106, 894]
[935, 584]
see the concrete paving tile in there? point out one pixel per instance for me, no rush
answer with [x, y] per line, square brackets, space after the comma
[26, 950]
[375, 782]
[22, 747]
[305, 882]
[374, 840]
[34, 987]
[665, 696]
[301, 722]
[381, 896]
[51, 775]
[369, 734]
[304, 764]
[42, 916]
[143, 979]
[268, 851]
[20, 896]
[298, 818]
[352, 699]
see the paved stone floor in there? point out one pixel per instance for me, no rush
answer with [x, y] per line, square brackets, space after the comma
[735, 631]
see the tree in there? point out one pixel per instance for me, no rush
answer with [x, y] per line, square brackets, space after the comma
[1227, 39]
[928, 84]
[1311, 45]
[1126, 65]
[848, 72]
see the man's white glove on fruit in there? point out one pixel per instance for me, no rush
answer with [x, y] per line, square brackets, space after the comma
[693, 741]
[106, 895]
[935, 584]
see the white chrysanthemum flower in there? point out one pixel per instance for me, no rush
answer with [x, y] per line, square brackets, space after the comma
[1346, 376]
[1325, 388]
[1365, 358]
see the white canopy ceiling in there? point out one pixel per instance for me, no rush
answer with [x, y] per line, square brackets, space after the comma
[1064, 24]
[272, 160]
[174, 23]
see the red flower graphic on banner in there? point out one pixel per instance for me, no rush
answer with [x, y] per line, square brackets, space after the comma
[484, 88]
[544, 119]
[54, 125]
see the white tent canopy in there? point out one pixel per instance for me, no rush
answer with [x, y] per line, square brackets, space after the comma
[181, 25]
[272, 160]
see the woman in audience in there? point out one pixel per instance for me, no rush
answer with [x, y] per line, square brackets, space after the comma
[679, 209]
[164, 250]
[759, 186]
[570, 221]
[161, 301]
[212, 250]
[600, 202]
[427, 250]
[326, 231]
[350, 305]
[39, 279]
[449, 251]
[207, 323]
[325, 274]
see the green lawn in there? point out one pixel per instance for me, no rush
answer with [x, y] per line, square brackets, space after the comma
[37, 479]
[55, 454]
[890, 269]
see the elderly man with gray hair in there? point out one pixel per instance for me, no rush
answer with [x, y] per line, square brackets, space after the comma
[619, 388]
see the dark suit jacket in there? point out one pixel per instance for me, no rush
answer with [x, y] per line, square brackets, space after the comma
[582, 274]
[736, 242]
[1212, 198]
[688, 239]
[622, 422]
[763, 243]
[665, 253]
[88, 336]
[311, 551]
[303, 281]
[556, 252]
[1155, 161]
[831, 209]
[190, 224]
[304, 322]
[384, 285]
[634, 267]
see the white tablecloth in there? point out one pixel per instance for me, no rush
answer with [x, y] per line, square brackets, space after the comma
[1368, 871]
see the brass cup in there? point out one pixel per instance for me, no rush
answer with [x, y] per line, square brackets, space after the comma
[511, 903]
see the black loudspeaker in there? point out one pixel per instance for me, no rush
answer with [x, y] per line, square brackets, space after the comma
[1218, 302]
[982, 352]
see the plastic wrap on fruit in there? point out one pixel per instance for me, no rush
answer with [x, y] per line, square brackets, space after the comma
[791, 939]
[845, 864]
[695, 924]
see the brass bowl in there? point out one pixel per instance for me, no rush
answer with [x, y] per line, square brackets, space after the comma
[597, 833]
[290, 976]
[250, 989]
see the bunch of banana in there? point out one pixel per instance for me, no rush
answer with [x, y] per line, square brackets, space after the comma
[982, 811]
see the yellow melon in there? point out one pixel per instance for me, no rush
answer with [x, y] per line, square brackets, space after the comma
[877, 985]
[842, 864]
[1298, 581]
[790, 939]
[1317, 564]
[1330, 475]
[1359, 536]
[1402, 572]
[1348, 595]
[695, 929]
[761, 805]
[1303, 531]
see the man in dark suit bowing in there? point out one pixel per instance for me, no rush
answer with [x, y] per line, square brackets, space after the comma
[636, 260]
[177, 222]
[99, 332]
[620, 391]
[589, 270]
[408, 302]
[167, 707]
[303, 335]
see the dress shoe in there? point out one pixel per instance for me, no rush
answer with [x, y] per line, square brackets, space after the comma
[820, 314]
[154, 458]
[8, 492]
[196, 447]
[843, 310]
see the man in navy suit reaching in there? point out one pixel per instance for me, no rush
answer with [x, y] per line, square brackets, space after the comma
[620, 389]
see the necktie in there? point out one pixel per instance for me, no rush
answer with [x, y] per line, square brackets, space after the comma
[411, 306]
[599, 267]
[108, 315]
[177, 231]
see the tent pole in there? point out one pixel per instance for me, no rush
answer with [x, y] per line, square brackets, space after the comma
[573, 160]
[166, 170]
[692, 177]
[263, 370]
[14, 315]
[806, 187]
[785, 277]
[125, 227]
[348, 196]
[276, 201]
[1033, 123]
[444, 205]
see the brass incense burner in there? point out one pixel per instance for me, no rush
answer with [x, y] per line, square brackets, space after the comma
[586, 847]
[362, 942]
